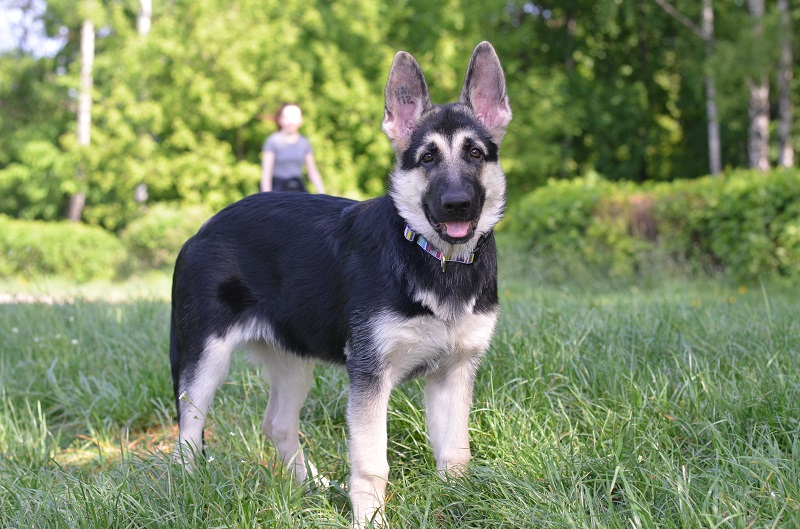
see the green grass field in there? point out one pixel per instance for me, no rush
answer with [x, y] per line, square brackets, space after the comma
[667, 404]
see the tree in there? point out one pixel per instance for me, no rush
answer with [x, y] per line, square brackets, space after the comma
[144, 17]
[706, 33]
[714, 144]
[758, 106]
[84, 115]
[785, 147]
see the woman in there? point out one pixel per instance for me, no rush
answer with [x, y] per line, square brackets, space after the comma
[285, 153]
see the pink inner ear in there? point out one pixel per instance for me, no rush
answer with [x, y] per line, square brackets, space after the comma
[490, 110]
[400, 123]
[494, 118]
[486, 94]
[408, 126]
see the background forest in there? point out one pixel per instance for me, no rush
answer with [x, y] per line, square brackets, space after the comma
[181, 93]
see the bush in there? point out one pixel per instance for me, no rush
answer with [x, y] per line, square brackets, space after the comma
[555, 217]
[155, 238]
[745, 224]
[74, 251]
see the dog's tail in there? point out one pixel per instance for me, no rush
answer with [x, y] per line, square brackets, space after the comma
[175, 361]
[175, 352]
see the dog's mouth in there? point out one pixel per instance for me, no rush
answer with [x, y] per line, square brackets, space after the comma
[455, 231]
[454, 227]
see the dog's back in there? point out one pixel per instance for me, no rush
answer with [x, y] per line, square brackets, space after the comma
[264, 258]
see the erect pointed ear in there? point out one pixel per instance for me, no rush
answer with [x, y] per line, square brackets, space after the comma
[406, 99]
[484, 91]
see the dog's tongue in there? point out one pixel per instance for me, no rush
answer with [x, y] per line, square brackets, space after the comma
[457, 229]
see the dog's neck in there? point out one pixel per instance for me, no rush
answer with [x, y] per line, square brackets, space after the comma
[443, 258]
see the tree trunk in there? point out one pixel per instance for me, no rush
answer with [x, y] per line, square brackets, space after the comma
[143, 18]
[706, 34]
[77, 201]
[758, 133]
[712, 116]
[567, 154]
[758, 107]
[785, 147]
[143, 23]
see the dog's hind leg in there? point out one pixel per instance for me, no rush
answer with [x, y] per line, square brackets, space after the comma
[198, 385]
[289, 378]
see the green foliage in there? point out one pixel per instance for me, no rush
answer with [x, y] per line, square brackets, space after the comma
[33, 105]
[36, 186]
[155, 238]
[752, 222]
[557, 216]
[607, 87]
[744, 224]
[34, 248]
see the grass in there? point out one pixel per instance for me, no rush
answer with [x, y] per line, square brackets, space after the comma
[662, 404]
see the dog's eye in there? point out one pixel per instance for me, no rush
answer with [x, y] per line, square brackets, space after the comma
[427, 157]
[475, 153]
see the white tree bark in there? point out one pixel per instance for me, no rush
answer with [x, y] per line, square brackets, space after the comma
[758, 107]
[706, 34]
[714, 142]
[143, 19]
[785, 74]
[143, 23]
[78, 200]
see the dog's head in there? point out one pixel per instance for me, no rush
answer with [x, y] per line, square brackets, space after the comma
[448, 184]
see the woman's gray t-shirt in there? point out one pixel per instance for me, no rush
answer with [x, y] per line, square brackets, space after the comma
[289, 157]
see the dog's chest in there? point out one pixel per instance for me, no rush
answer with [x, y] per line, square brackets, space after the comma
[410, 346]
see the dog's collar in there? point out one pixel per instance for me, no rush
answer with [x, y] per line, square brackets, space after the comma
[423, 243]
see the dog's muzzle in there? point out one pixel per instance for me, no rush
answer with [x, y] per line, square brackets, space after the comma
[455, 215]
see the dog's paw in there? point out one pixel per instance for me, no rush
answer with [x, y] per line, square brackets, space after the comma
[375, 521]
[314, 480]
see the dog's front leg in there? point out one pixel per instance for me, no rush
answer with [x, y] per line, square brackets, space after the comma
[369, 468]
[448, 398]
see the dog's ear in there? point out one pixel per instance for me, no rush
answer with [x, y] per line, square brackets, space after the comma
[407, 98]
[484, 91]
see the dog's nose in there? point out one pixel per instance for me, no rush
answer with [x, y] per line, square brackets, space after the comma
[456, 202]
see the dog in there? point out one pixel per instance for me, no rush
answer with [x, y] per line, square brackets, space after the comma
[392, 288]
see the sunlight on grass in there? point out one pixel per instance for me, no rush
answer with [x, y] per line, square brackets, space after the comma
[153, 286]
[99, 453]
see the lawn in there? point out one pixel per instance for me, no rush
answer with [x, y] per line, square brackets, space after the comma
[667, 403]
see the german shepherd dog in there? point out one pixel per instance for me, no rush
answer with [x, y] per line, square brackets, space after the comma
[393, 288]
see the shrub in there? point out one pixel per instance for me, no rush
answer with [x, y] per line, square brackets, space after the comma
[155, 238]
[75, 251]
[752, 219]
[745, 224]
[555, 217]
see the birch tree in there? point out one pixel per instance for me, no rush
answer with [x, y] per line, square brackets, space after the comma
[143, 18]
[78, 199]
[706, 33]
[758, 106]
[785, 147]
[143, 22]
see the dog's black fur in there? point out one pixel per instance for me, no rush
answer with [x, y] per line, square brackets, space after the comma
[298, 278]
[313, 265]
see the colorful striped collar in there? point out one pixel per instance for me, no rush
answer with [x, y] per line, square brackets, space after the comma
[423, 243]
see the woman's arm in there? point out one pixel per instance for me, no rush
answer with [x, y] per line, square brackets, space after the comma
[313, 173]
[267, 164]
